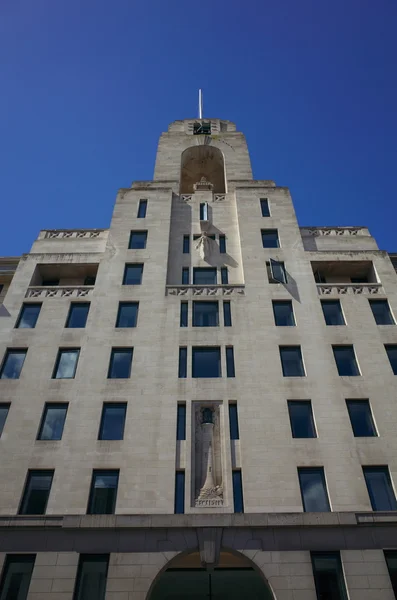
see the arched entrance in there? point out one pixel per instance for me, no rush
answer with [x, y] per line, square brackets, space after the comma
[234, 578]
[202, 161]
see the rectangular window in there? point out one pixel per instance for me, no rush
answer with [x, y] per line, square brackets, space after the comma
[102, 500]
[36, 493]
[53, 421]
[179, 492]
[206, 361]
[301, 417]
[127, 315]
[224, 276]
[233, 422]
[112, 421]
[380, 488]
[138, 240]
[204, 276]
[181, 422]
[183, 319]
[391, 561]
[237, 491]
[283, 313]
[142, 209]
[391, 351]
[133, 274]
[270, 238]
[4, 408]
[230, 371]
[17, 573]
[78, 313]
[91, 577]
[185, 276]
[361, 418]
[120, 363]
[205, 314]
[345, 360]
[28, 316]
[381, 311]
[313, 489]
[227, 314]
[204, 211]
[182, 369]
[276, 271]
[222, 244]
[12, 364]
[265, 207]
[332, 311]
[291, 361]
[66, 363]
[328, 576]
[186, 244]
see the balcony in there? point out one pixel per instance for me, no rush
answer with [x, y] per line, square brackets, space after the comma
[336, 278]
[190, 291]
[325, 239]
[62, 280]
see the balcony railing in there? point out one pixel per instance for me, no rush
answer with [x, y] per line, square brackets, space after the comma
[205, 290]
[59, 291]
[334, 231]
[339, 289]
[61, 234]
[215, 197]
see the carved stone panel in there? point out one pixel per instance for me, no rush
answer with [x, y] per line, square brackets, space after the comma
[207, 459]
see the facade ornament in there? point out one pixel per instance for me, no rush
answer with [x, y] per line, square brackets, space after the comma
[203, 185]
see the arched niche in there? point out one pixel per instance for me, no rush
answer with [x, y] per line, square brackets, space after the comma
[202, 161]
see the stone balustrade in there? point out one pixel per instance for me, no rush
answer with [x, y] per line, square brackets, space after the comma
[205, 290]
[61, 234]
[59, 291]
[215, 197]
[334, 231]
[340, 289]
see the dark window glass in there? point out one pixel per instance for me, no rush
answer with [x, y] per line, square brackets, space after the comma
[28, 316]
[133, 274]
[36, 493]
[181, 422]
[283, 313]
[127, 315]
[66, 363]
[361, 418]
[52, 422]
[391, 561]
[91, 577]
[345, 360]
[230, 371]
[204, 211]
[1, 287]
[233, 422]
[204, 276]
[277, 271]
[328, 576]
[202, 128]
[78, 314]
[186, 244]
[206, 361]
[142, 209]
[391, 351]
[12, 364]
[291, 361]
[103, 492]
[183, 319]
[90, 280]
[17, 573]
[380, 488]
[362, 279]
[222, 244]
[185, 276]
[301, 417]
[50, 282]
[179, 492]
[313, 489]
[224, 276]
[4, 408]
[120, 363]
[205, 314]
[227, 314]
[112, 421]
[238, 492]
[137, 240]
[270, 238]
[381, 311]
[265, 207]
[332, 312]
[182, 369]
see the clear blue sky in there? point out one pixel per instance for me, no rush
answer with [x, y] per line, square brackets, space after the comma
[87, 86]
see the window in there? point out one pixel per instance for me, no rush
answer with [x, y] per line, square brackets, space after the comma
[91, 577]
[204, 276]
[265, 207]
[17, 573]
[186, 244]
[313, 489]
[183, 319]
[137, 240]
[36, 493]
[133, 274]
[103, 492]
[237, 491]
[361, 418]
[4, 408]
[391, 351]
[224, 276]
[204, 211]
[120, 363]
[276, 271]
[202, 128]
[230, 371]
[78, 314]
[12, 364]
[206, 361]
[380, 488]
[381, 311]
[52, 422]
[185, 276]
[391, 561]
[205, 314]
[222, 244]
[127, 315]
[328, 576]
[283, 313]
[181, 422]
[179, 492]
[233, 422]
[142, 209]
[66, 363]
[301, 418]
[291, 361]
[28, 316]
[332, 312]
[112, 421]
[270, 238]
[345, 360]
[182, 369]
[227, 314]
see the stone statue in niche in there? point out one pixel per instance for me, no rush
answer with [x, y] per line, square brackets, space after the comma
[209, 487]
[203, 185]
[204, 246]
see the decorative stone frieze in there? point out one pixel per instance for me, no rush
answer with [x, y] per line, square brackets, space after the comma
[72, 291]
[340, 289]
[205, 290]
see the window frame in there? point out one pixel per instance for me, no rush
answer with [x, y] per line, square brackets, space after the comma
[105, 406]
[292, 314]
[234, 429]
[180, 492]
[20, 316]
[338, 303]
[7, 406]
[230, 362]
[224, 276]
[393, 576]
[340, 573]
[227, 313]
[351, 346]
[103, 472]
[203, 349]
[58, 360]
[126, 267]
[69, 315]
[364, 401]
[185, 275]
[381, 301]
[181, 421]
[186, 244]
[142, 207]
[290, 404]
[9, 352]
[24, 498]
[222, 244]
[197, 303]
[121, 350]
[270, 232]
[283, 366]
[264, 202]
[270, 264]
[182, 362]
[391, 492]
[137, 232]
[48, 405]
[320, 471]
[11, 558]
[123, 304]
[82, 558]
[238, 492]
[394, 347]
[207, 269]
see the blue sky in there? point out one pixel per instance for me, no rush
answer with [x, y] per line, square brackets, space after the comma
[87, 86]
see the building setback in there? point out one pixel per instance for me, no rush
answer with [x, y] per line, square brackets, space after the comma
[199, 401]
